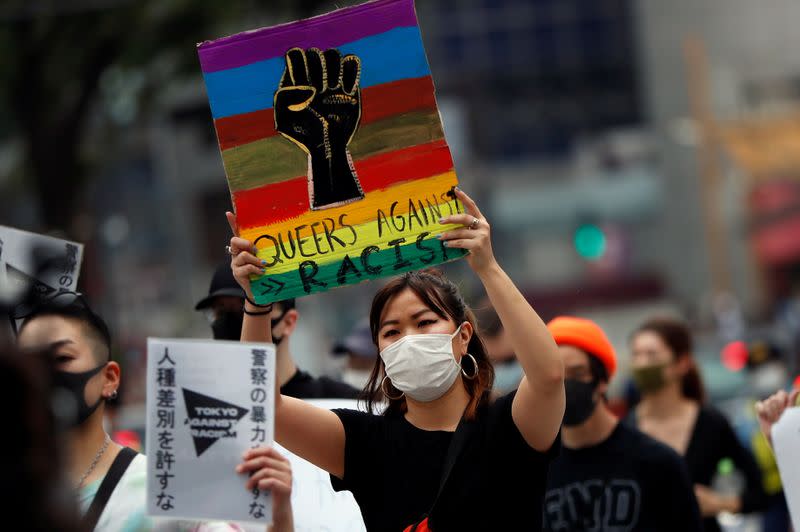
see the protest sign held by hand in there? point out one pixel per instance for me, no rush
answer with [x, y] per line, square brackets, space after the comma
[779, 419]
[208, 402]
[49, 265]
[333, 148]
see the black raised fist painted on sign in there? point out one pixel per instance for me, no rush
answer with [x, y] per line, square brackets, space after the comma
[318, 107]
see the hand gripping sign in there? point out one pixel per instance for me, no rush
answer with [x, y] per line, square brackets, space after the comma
[333, 147]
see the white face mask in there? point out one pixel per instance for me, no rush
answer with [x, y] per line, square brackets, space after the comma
[422, 365]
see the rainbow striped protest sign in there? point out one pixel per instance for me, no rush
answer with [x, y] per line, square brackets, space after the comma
[333, 147]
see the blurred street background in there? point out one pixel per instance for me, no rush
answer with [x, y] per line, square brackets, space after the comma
[633, 157]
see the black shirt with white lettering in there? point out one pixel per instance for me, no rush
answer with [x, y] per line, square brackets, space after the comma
[304, 386]
[629, 482]
[394, 470]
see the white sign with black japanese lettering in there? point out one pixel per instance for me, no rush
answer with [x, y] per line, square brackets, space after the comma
[61, 260]
[207, 403]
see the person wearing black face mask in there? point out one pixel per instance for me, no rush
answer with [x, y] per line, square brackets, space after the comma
[224, 307]
[609, 476]
[84, 378]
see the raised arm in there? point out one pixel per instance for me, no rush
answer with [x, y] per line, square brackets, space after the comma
[313, 433]
[538, 407]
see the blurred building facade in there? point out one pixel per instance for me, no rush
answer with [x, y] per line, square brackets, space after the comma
[572, 123]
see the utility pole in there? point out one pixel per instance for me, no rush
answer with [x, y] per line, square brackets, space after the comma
[709, 167]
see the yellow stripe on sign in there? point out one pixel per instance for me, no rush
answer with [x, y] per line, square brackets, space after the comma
[428, 190]
[288, 256]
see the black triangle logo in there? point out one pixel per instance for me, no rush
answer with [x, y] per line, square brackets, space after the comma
[210, 419]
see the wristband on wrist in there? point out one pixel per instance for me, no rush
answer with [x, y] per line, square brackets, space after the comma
[267, 310]
[256, 304]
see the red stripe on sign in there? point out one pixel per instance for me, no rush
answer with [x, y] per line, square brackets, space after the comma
[377, 103]
[279, 201]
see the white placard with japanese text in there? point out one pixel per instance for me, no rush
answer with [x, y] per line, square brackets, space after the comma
[17, 268]
[207, 402]
[786, 441]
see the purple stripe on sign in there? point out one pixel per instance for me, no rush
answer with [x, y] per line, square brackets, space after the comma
[325, 31]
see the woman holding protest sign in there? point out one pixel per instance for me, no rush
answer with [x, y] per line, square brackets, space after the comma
[442, 449]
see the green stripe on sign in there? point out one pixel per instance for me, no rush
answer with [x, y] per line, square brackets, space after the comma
[370, 263]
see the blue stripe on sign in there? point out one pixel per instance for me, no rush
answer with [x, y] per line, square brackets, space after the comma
[391, 56]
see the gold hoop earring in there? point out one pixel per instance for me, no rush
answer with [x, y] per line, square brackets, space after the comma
[383, 389]
[474, 365]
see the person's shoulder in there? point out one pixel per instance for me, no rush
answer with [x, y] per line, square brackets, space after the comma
[648, 450]
[351, 417]
[499, 402]
[136, 473]
[711, 416]
[496, 419]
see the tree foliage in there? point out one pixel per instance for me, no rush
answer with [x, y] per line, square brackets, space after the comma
[56, 53]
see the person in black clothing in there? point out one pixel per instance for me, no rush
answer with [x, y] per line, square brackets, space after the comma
[609, 476]
[32, 455]
[443, 455]
[84, 379]
[224, 306]
[673, 411]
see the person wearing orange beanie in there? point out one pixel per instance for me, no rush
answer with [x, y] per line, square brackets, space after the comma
[609, 476]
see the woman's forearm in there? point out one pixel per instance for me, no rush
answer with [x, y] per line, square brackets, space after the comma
[533, 344]
[256, 328]
[282, 521]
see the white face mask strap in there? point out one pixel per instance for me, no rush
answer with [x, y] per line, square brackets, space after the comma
[458, 330]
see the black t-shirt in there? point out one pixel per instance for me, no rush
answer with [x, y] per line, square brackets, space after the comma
[394, 470]
[712, 440]
[304, 386]
[629, 482]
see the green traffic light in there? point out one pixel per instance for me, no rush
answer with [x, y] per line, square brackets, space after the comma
[590, 242]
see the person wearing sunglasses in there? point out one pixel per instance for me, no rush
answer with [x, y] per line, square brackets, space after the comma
[110, 480]
[224, 308]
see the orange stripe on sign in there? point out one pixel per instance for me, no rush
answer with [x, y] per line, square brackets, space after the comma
[280, 201]
[377, 103]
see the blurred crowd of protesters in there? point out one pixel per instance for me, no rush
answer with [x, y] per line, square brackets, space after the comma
[674, 460]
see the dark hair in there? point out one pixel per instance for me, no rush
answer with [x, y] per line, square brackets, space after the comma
[32, 457]
[443, 298]
[677, 336]
[287, 304]
[92, 323]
